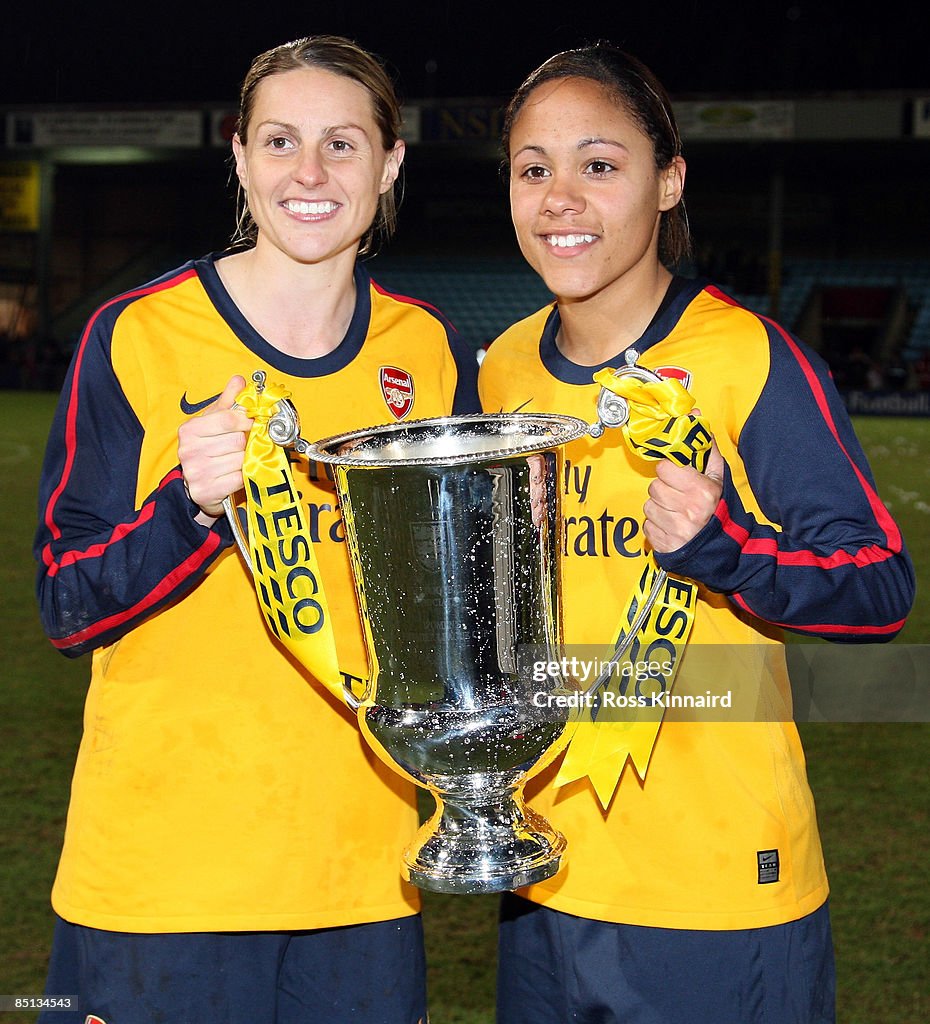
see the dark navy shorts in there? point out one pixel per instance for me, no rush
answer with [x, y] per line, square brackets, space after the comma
[366, 973]
[558, 969]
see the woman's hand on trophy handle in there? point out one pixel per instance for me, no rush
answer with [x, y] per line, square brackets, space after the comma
[681, 501]
[211, 448]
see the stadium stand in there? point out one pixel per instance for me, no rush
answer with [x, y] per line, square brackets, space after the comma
[480, 297]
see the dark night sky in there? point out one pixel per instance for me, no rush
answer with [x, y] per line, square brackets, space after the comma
[120, 52]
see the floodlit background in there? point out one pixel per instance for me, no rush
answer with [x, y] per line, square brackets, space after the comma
[807, 135]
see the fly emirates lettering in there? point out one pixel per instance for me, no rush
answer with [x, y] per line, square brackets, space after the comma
[324, 519]
[597, 535]
[601, 535]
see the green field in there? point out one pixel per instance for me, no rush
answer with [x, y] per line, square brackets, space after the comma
[869, 780]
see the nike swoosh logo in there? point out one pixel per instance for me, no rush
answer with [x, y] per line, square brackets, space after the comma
[189, 408]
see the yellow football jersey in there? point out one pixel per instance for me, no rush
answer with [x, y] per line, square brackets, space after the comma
[217, 786]
[722, 831]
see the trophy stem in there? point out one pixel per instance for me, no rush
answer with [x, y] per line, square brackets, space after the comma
[482, 843]
[452, 527]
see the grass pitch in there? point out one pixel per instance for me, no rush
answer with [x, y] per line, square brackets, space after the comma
[868, 780]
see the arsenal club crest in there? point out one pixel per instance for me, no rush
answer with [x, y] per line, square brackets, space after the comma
[428, 538]
[675, 373]
[397, 388]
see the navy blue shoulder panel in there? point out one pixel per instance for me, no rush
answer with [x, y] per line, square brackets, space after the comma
[680, 293]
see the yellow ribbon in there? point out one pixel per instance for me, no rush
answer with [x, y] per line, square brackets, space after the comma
[660, 425]
[284, 565]
[623, 723]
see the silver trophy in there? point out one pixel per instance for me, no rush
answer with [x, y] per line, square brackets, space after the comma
[453, 529]
[453, 532]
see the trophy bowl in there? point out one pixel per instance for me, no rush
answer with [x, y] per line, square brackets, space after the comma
[453, 531]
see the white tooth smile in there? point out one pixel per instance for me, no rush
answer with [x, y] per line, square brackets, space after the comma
[568, 241]
[309, 209]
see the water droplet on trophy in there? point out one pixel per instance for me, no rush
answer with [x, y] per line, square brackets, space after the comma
[455, 551]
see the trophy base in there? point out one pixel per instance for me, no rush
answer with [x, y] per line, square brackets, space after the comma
[489, 849]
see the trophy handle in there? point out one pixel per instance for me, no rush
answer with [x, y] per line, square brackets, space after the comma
[352, 702]
[612, 410]
[628, 637]
[232, 516]
[233, 519]
[284, 430]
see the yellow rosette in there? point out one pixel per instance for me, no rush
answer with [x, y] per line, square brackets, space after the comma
[284, 566]
[660, 424]
[623, 723]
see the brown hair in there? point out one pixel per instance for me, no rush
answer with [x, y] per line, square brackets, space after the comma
[343, 57]
[632, 85]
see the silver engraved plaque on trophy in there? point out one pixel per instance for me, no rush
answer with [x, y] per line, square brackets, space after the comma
[453, 529]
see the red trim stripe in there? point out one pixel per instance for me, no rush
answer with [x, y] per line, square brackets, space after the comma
[71, 416]
[768, 546]
[121, 531]
[412, 301]
[831, 627]
[190, 565]
[97, 550]
[882, 518]
[732, 529]
[870, 555]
